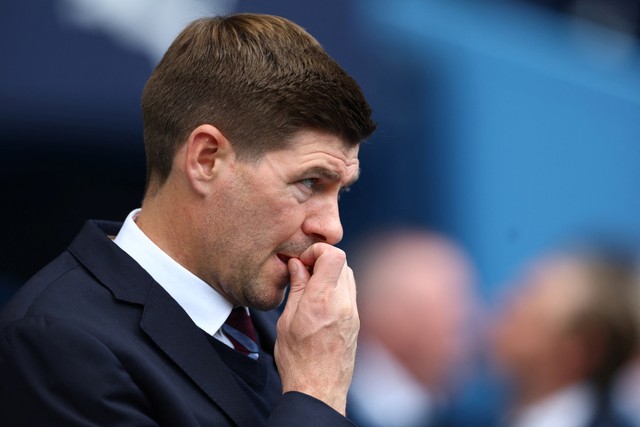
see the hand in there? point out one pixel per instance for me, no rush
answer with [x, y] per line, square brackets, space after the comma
[318, 329]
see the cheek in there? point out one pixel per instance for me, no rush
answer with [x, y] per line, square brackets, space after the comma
[283, 215]
[267, 227]
[266, 213]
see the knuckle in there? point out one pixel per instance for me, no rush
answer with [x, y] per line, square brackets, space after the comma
[339, 256]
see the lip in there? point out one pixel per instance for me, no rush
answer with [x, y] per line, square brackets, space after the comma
[284, 258]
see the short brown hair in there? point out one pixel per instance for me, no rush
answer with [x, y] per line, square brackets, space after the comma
[257, 78]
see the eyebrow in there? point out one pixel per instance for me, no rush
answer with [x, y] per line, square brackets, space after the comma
[333, 175]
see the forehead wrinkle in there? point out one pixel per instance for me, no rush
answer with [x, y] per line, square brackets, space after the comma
[333, 175]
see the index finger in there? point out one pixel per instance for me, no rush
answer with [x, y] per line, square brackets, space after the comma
[328, 262]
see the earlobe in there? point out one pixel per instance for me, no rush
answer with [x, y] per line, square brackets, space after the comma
[207, 150]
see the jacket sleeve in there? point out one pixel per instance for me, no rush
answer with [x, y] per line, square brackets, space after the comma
[54, 372]
[42, 381]
[299, 409]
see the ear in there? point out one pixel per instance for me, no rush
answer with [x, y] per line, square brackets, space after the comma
[206, 152]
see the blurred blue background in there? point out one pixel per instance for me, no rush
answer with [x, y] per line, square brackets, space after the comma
[509, 126]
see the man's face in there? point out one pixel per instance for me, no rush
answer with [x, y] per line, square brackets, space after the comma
[273, 210]
[532, 334]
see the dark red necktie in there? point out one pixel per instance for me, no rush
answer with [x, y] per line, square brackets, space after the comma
[240, 331]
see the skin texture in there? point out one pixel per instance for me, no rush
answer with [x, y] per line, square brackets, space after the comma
[250, 228]
[317, 332]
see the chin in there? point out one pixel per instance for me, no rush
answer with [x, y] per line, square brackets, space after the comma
[267, 301]
[266, 304]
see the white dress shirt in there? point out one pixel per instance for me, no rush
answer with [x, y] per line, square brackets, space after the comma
[204, 305]
[573, 406]
[384, 394]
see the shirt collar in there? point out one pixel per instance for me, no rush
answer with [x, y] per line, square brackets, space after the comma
[572, 406]
[204, 305]
[384, 392]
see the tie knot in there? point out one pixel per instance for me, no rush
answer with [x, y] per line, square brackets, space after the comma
[241, 332]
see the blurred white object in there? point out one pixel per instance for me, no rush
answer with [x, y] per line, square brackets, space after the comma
[384, 393]
[628, 392]
[147, 26]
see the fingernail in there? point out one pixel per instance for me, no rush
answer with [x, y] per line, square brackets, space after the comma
[293, 267]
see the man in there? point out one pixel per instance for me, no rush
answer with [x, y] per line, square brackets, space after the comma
[251, 131]
[564, 338]
[415, 301]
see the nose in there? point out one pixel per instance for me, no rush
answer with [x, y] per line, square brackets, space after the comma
[323, 222]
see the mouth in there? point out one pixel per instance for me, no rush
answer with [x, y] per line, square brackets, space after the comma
[284, 258]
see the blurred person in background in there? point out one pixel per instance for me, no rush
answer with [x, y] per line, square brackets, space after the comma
[414, 299]
[627, 391]
[564, 337]
[627, 388]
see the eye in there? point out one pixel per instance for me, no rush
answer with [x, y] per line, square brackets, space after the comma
[308, 182]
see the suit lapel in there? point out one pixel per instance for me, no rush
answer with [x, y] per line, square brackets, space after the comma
[186, 344]
[163, 320]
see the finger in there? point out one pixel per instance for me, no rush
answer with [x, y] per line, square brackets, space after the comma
[346, 286]
[299, 276]
[315, 251]
[352, 285]
[328, 263]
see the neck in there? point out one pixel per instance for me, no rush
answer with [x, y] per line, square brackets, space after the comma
[164, 221]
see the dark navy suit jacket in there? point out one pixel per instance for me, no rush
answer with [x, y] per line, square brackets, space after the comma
[92, 339]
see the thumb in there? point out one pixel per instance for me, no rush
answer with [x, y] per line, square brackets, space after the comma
[299, 276]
